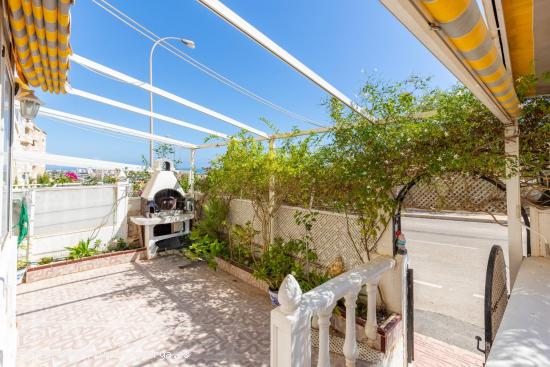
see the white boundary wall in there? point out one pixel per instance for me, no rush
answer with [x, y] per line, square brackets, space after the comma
[61, 216]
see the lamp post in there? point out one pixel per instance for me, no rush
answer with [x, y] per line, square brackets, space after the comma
[187, 43]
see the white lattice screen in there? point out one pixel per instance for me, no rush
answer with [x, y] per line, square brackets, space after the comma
[330, 231]
[457, 193]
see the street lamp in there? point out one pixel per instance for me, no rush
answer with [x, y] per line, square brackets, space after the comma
[29, 104]
[187, 43]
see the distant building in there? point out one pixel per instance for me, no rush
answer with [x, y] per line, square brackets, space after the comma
[28, 137]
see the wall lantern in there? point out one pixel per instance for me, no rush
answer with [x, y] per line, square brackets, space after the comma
[30, 104]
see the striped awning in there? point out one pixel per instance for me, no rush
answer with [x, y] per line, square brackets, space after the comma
[528, 34]
[41, 30]
[462, 23]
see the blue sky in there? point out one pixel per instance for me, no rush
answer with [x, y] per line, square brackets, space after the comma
[341, 40]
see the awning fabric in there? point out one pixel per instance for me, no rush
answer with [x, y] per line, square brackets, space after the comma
[463, 24]
[41, 30]
[528, 34]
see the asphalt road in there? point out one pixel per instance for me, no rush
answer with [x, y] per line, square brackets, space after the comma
[449, 259]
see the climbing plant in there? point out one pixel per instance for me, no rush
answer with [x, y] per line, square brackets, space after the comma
[258, 172]
[413, 132]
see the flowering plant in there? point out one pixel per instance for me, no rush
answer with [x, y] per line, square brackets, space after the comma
[71, 176]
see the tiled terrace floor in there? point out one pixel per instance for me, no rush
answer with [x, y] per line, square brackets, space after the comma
[135, 314]
[127, 315]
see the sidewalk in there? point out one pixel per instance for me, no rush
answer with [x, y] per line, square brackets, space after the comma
[429, 352]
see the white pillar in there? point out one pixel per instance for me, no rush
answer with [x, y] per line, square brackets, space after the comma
[290, 328]
[371, 326]
[150, 246]
[324, 339]
[513, 205]
[350, 343]
[121, 209]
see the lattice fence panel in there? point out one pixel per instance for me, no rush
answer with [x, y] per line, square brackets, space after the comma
[330, 232]
[241, 212]
[457, 193]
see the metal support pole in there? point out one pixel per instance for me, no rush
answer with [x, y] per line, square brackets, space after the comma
[151, 118]
[192, 171]
[513, 204]
[31, 205]
[271, 194]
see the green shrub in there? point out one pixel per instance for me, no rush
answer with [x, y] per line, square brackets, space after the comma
[205, 248]
[45, 260]
[241, 245]
[214, 219]
[118, 244]
[283, 258]
[111, 179]
[22, 264]
[43, 179]
[183, 180]
[83, 249]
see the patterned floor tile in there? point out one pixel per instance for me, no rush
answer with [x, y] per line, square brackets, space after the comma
[151, 313]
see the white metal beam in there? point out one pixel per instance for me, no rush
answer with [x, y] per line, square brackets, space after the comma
[161, 92]
[415, 21]
[242, 25]
[292, 134]
[63, 160]
[80, 120]
[141, 111]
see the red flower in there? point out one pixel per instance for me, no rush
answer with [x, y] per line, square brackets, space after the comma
[71, 176]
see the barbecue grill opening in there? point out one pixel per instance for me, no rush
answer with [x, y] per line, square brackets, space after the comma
[169, 199]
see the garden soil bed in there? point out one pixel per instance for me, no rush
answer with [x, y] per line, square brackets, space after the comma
[242, 273]
[64, 267]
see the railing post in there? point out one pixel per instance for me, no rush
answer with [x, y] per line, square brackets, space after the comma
[290, 328]
[324, 339]
[371, 327]
[350, 344]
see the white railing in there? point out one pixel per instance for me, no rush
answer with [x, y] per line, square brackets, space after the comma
[291, 322]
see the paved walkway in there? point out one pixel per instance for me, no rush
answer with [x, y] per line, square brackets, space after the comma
[430, 352]
[157, 314]
[148, 313]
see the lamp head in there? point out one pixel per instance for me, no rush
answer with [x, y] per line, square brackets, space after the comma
[30, 104]
[187, 42]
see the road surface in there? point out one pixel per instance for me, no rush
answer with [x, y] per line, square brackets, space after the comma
[449, 259]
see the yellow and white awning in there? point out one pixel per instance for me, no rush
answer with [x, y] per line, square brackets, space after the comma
[528, 35]
[41, 30]
[463, 24]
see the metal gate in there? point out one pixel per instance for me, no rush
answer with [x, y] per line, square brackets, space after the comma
[410, 316]
[496, 295]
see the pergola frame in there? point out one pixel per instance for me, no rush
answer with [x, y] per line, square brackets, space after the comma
[409, 15]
